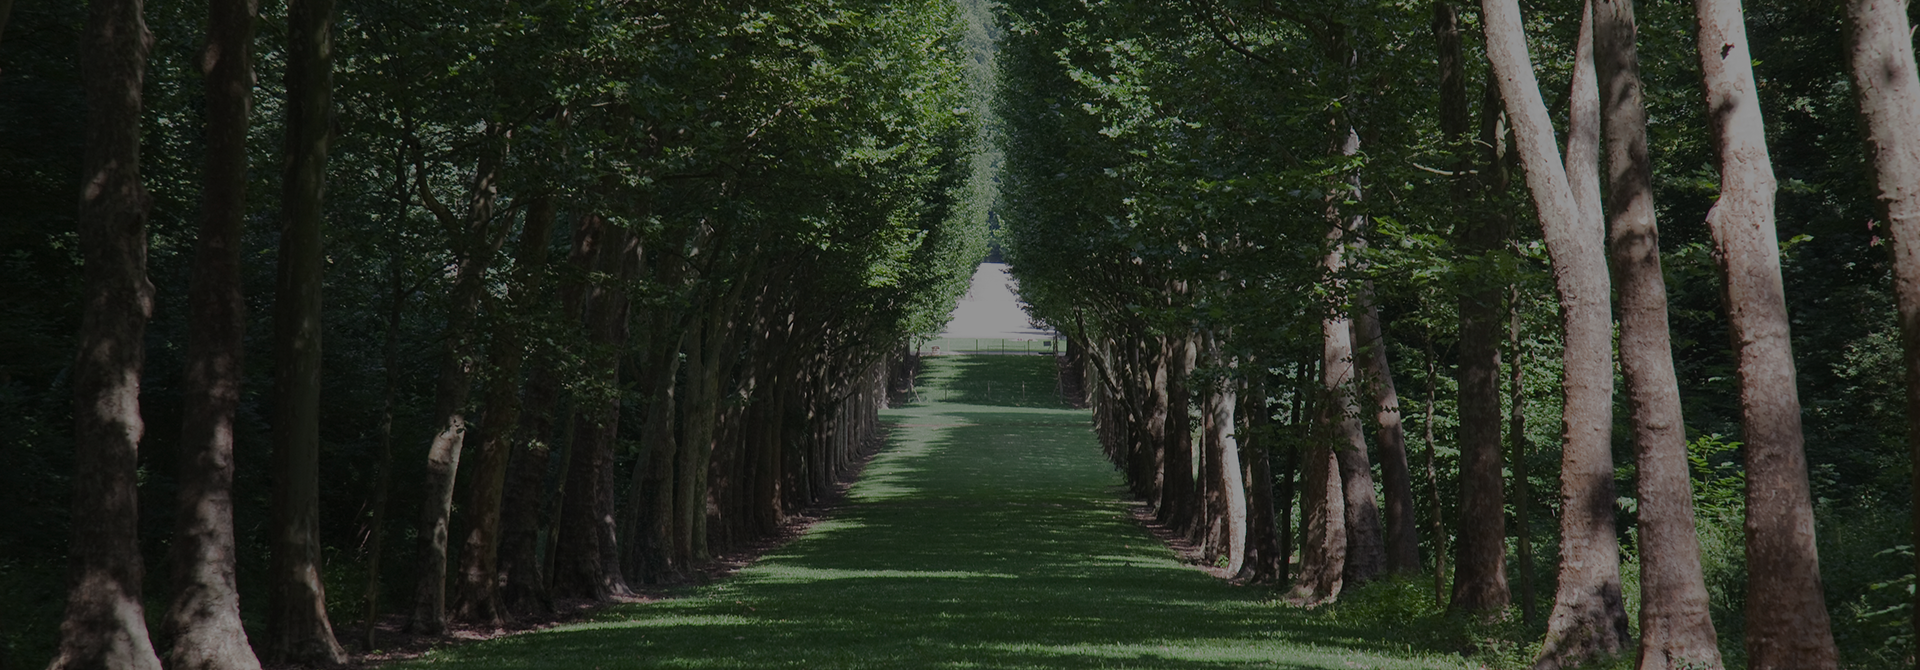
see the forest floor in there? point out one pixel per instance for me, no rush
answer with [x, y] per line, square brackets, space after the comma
[989, 534]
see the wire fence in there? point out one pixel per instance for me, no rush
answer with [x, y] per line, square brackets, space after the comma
[988, 345]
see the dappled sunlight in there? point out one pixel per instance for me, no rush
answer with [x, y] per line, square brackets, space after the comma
[983, 537]
[794, 574]
[655, 622]
[1239, 652]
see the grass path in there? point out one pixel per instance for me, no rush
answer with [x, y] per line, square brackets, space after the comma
[987, 536]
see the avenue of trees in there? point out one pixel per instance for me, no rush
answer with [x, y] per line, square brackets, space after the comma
[446, 309]
[1583, 321]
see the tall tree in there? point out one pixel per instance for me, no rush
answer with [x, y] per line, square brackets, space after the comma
[1787, 625]
[475, 246]
[1323, 526]
[581, 565]
[1403, 527]
[1480, 567]
[105, 624]
[1888, 89]
[1179, 493]
[1263, 561]
[298, 630]
[477, 590]
[203, 622]
[1589, 617]
[1522, 472]
[1366, 555]
[1226, 487]
[1676, 630]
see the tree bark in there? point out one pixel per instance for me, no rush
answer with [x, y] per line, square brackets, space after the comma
[1884, 80]
[648, 517]
[1178, 490]
[1676, 630]
[655, 541]
[1522, 470]
[1366, 554]
[1263, 563]
[1403, 528]
[700, 421]
[1323, 546]
[523, 517]
[1225, 481]
[297, 628]
[105, 624]
[1433, 488]
[582, 565]
[383, 468]
[458, 364]
[1480, 572]
[477, 591]
[1787, 624]
[203, 623]
[1589, 618]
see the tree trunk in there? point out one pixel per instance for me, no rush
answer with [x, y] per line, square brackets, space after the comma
[587, 563]
[1226, 482]
[1888, 89]
[702, 406]
[1589, 620]
[1323, 546]
[1676, 630]
[1433, 488]
[649, 509]
[1146, 421]
[522, 518]
[1522, 470]
[1787, 625]
[656, 541]
[383, 467]
[458, 364]
[1403, 528]
[1366, 554]
[1480, 572]
[1263, 563]
[1297, 422]
[297, 629]
[203, 623]
[105, 624]
[1177, 487]
[478, 590]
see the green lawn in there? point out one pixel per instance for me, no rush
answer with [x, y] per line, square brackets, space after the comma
[984, 537]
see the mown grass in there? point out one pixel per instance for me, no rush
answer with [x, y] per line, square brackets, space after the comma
[984, 537]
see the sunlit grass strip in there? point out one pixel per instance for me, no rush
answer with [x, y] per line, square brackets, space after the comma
[987, 536]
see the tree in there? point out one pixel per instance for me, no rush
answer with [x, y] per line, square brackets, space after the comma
[476, 244]
[1588, 619]
[1225, 481]
[297, 626]
[1676, 630]
[105, 624]
[1403, 527]
[1365, 556]
[1888, 88]
[1787, 624]
[477, 589]
[1480, 570]
[204, 620]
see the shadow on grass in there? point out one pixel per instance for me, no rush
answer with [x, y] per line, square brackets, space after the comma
[984, 537]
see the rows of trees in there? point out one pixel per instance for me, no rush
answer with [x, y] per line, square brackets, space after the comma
[1264, 225]
[544, 301]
